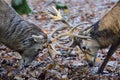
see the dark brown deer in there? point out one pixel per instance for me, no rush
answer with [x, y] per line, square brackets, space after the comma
[20, 35]
[104, 33]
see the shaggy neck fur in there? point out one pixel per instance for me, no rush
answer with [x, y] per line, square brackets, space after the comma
[107, 30]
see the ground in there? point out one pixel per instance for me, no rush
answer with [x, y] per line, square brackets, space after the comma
[63, 66]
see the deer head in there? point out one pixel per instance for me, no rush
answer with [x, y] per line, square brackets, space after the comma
[89, 47]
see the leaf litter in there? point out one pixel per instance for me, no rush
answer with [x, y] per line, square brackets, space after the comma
[65, 64]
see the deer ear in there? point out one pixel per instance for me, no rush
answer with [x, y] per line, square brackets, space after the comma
[37, 38]
[87, 32]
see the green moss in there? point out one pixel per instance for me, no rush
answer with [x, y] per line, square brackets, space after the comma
[21, 6]
[61, 6]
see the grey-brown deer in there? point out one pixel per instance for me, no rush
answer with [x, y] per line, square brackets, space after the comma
[20, 35]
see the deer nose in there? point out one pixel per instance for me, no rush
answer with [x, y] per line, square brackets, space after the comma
[84, 48]
[90, 63]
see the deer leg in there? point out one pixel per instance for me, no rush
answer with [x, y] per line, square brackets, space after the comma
[112, 49]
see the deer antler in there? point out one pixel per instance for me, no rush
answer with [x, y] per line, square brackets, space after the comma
[70, 33]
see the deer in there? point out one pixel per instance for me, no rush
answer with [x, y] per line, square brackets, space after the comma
[102, 34]
[20, 35]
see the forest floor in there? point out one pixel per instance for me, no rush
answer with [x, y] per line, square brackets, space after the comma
[62, 66]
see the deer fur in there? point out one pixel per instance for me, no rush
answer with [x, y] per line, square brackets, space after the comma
[104, 33]
[20, 35]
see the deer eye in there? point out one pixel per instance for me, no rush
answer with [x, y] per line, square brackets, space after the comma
[39, 50]
[80, 41]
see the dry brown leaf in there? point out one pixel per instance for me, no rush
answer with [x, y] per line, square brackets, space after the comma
[50, 66]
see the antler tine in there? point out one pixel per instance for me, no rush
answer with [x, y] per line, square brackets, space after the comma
[54, 40]
[65, 22]
[58, 14]
[62, 46]
[80, 36]
[57, 29]
[79, 25]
